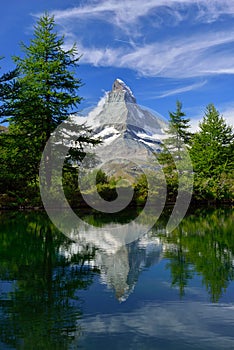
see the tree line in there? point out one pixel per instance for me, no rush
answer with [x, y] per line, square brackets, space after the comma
[43, 90]
[211, 150]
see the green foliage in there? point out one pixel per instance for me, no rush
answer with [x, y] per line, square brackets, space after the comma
[107, 192]
[213, 157]
[101, 177]
[47, 90]
[212, 146]
[8, 86]
[36, 98]
[47, 75]
[174, 155]
[41, 93]
[141, 190]
[212, 154]
[177, 131]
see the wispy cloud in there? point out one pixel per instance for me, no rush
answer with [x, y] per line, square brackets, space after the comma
[210, 10]
[193, 56]
[199, 52]
[184, 40]
[175, 91]
[183, 89]
[128, 12]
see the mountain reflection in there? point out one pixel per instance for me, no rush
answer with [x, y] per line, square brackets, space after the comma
[201, 245]
[42, 271]
[119, 265]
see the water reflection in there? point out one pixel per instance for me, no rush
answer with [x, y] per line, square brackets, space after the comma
[119, 265]
[37, 307]
[203, 244]
[44, 275]
[157, 326]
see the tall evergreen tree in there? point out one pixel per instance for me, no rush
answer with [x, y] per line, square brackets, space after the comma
[212, 154]
[47, 80]
[178, 136]
[212, 146]
[177, 131]
[174, 156]
[46, 94]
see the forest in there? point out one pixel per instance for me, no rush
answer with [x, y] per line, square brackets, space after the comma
[43, 90]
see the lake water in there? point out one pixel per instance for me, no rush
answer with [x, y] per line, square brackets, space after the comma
[161, 291]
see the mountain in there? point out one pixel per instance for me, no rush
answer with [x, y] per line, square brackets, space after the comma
[128, 131]
[120, 264]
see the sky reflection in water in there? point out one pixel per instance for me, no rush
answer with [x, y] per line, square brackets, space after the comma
[159, 292]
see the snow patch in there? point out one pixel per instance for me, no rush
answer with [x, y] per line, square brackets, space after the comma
[108, 135]
[91, 118]
[154, 137]
[107, 131]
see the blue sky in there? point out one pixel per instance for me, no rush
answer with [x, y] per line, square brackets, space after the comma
[165, 50]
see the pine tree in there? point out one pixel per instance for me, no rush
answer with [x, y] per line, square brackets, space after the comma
[174, 155]
[212, 153]
[211, 149]
[46, 94]
[177, 131]
[47, 79]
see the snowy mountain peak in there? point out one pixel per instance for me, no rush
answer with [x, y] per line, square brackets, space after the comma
[126, 129]
[121, 92]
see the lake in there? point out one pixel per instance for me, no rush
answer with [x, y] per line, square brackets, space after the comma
[89, 291]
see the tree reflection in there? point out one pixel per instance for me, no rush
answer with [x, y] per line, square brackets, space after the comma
[179, 264]
[45, 270]
[42, 310]
[202, 244]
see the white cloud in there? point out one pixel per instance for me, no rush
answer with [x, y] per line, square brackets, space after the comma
[123, 12]
[211, 10]
[220, 71]
[182, 89]
[171, 322]
[181, 55]
[194, 56]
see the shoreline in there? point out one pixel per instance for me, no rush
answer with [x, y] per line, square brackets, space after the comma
[194, 204]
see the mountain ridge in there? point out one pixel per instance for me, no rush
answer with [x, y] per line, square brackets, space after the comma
[125, 128]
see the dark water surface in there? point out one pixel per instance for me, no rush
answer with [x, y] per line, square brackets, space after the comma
[162, 291]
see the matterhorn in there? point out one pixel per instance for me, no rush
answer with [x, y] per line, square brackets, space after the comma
[127, 130]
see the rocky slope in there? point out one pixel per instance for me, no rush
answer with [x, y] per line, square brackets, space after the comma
[129, 132]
